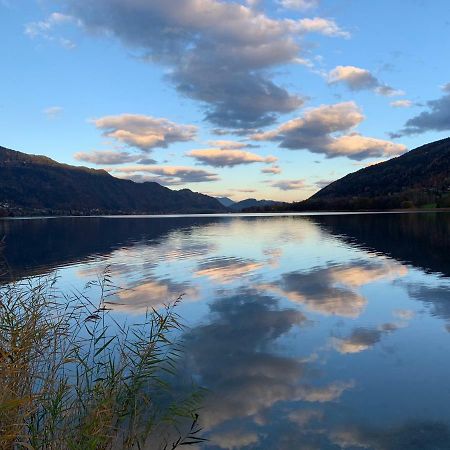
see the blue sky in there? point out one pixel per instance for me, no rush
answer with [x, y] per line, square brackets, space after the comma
[265, 99]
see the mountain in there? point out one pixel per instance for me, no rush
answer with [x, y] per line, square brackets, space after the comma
[225, 201]
[419, 178]
[251, 203]
[31, 184]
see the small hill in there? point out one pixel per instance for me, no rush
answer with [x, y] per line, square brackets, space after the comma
[419, 178]
[31, 184]
[252, 203]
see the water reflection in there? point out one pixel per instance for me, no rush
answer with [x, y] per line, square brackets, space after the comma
[419, 239]
[324, 332]
[333, 289]
[226, 270]
[425, 435]
[436, 297]
[362, 339]
[234, 354]
[38, 246]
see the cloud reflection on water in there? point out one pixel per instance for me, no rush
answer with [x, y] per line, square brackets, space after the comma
[236, 355]
[333, 289]
[309, 338]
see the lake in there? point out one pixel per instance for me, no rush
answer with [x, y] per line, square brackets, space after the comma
[327, 331]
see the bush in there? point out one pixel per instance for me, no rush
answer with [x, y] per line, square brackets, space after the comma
[72, 377]
[407, 204]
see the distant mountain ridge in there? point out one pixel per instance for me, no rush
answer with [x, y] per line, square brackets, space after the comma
[32, 184]
[252, 203]
[247, 204]
[225, 201]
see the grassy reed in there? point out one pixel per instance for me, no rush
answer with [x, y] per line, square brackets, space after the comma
[72, 377]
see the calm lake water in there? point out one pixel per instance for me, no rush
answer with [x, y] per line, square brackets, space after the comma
[310, 332]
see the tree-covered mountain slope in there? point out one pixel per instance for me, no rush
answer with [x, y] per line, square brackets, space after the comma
[31, 184]
[417, 178]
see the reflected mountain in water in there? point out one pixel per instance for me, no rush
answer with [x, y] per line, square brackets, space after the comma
[39, 246]
[419, 239]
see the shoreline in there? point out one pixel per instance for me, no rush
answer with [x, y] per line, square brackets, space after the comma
[231, 214]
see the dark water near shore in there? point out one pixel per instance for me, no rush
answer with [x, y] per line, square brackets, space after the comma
[311, 332]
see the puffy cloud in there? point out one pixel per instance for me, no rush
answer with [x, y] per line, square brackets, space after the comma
[354, 77]
[356, 146]
[301, 5]
[402, 104]
[323, 26]
[53, 111]
[144, 132]
[106, 157]
[358, 79]
[315, 132]
[219, 53]
[274, 170]
[228, 158]
[288, 185]
[437, 118]
[166, 175]
[315, 123]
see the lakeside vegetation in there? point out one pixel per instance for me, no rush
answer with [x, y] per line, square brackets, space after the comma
[73, 377]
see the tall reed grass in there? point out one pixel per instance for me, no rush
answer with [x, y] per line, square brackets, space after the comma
[74, 377]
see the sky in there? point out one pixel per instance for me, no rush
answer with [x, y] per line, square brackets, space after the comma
[263, 99]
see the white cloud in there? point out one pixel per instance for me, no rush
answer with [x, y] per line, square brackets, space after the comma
[317, 132]
[356, 146]
[402, 104]
[228, 158]
[166, 175]
[197, 38]
[106, 157]
[288, 185]
[357, 79]
[320, 25]
[144, 132]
